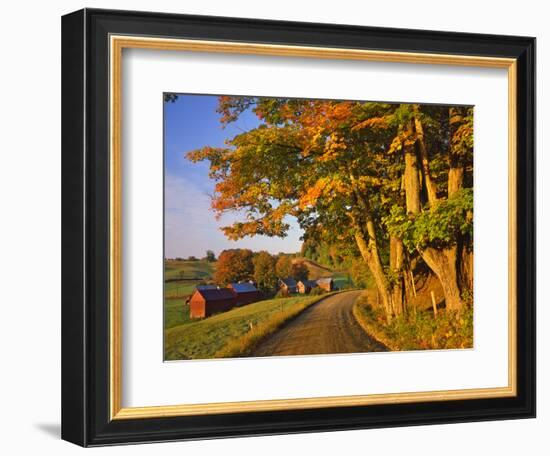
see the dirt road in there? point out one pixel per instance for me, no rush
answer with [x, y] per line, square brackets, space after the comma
[324, 328]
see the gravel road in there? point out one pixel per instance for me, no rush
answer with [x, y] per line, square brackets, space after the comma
[324, 328]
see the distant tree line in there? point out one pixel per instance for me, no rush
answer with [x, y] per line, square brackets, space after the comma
[210, 257]
[238, 265]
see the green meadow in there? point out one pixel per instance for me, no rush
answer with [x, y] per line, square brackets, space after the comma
[181, 277]
[232, 333]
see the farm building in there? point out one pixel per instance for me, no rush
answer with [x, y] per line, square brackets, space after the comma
[204, 303]
[305, 286]
[288, 285]
[202, 287]
[245, 293]
[326, 283]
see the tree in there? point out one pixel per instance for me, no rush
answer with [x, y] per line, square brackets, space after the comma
[234, 265]
[317, 160]
[391, 181]
[210, 256]
[284, 266]
[441, 224]
[299, 271]
[264, 271]
[360, 274]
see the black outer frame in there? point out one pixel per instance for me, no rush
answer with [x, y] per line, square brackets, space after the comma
[85, 226]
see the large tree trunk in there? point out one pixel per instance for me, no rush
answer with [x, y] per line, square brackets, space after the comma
[396, 266]
[411, 176]
[443, 262]
[365, 237]
[456, 176]
[369, 252]
[465, 259]
[466, 270]
[431, 190]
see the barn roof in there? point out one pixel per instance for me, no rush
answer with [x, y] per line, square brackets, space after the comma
[216, 294]
[324, 280]
[245, 287]
[289, 282]
[309, 283]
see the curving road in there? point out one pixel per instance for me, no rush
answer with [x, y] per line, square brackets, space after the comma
[324, 328]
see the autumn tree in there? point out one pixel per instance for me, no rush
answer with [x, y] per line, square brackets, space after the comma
[309, 158]
[387, 179]
[265, 275]
[284, 266]
[360, 274]
[437, 218]
[299, 270]
[325, 253]
[234, 265]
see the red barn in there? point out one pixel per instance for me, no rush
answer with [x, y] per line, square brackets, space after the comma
[204, 303]
[245, 293]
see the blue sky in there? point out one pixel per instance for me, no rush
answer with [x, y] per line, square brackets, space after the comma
[189, 223]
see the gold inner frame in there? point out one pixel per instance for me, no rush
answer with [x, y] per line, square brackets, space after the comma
[117, 44]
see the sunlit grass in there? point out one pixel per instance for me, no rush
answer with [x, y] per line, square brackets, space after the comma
[176, 312]
[233, 333]
[417, 330]
[184, 269]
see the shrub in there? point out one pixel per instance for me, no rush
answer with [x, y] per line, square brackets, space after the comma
[437, 227]
[421, 330]
[317, 291]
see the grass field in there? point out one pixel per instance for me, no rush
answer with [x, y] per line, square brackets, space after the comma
[231, 333]
[176, 313]
[186, 338]
[180, 288]
[185, 269]
[181, 277]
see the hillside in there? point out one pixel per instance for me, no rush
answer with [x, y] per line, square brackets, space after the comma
[316, 270]
[181, 276]
[188, 270]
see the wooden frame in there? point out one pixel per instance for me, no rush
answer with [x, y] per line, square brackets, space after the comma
[93, 41]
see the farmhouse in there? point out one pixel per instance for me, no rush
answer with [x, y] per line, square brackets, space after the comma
[326, 283]
[305, 286]
[204, 303]
[288, 285]
[245, 293]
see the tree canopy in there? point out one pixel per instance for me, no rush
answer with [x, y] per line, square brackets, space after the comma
[234, 265]
[389, 184]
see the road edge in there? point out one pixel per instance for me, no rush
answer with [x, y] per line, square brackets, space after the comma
[370, 329]
[251, 346]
